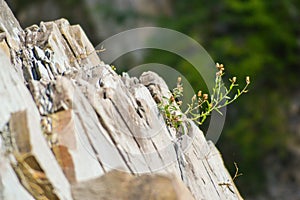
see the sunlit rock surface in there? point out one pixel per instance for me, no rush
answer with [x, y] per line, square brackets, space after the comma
[67, 119]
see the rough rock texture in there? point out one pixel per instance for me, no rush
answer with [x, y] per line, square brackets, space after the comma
[121, 185]
[66, 119]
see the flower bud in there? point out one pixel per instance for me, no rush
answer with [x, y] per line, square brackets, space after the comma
[194, 98]
[220, 66]
[199, 93]
[172, 99]
[179, 103]
[247, 79]
[179, 79]
[233, 79]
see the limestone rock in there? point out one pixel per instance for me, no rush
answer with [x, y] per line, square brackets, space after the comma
[67, 118]
[123, 186]
[10, 26]
[25, 135]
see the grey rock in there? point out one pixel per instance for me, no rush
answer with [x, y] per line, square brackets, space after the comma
[68, 118]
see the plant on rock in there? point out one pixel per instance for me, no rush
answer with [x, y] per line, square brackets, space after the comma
[201, 105]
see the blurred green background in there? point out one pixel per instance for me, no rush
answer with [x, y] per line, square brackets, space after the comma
[255, 37]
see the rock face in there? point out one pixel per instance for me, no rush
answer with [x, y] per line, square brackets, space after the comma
[67, 120]
[121, 185]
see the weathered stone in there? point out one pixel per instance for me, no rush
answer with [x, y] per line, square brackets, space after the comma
[156, 85]
[88, 121]
[72, 139]
[19, 100]
[82, 48]
[83, 120]
[114, 101]
[65, 160]
[10, 187]
[9, 25]
[199, 161]
[4, 47]
[124, 186]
